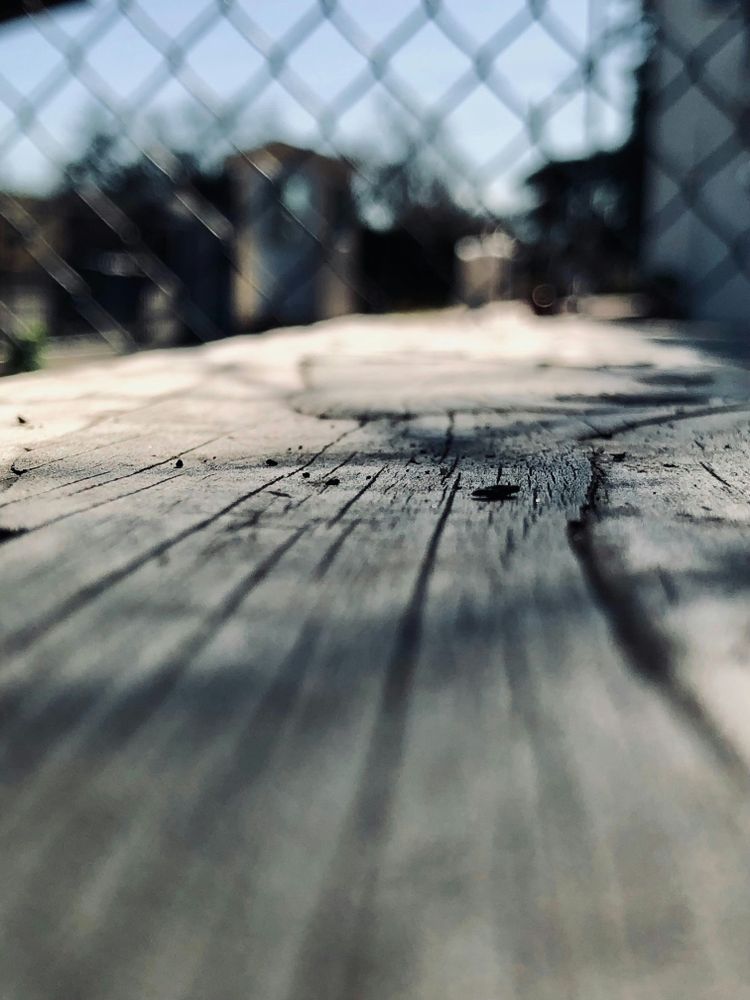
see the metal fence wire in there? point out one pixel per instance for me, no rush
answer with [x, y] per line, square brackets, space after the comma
[176, 172]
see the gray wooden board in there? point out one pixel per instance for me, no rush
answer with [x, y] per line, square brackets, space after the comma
[287, 713]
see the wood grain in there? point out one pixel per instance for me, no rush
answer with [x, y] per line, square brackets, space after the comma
[287, 713]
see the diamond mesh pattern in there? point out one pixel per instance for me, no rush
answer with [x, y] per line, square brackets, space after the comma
[479, 95]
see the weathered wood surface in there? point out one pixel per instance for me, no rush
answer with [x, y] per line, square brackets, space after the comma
[288, 714]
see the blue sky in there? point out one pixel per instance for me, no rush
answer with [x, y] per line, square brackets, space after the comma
[482, 143]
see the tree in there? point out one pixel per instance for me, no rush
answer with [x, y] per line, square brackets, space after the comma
[589, 212]
[411, 223]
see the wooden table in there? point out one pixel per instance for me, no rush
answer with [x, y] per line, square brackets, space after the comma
[288, 714]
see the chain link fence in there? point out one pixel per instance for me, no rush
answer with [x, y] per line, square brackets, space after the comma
[173, 172]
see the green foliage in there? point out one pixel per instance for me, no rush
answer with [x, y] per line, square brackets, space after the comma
[26, 350]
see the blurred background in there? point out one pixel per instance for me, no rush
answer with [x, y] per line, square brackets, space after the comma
[175, 171]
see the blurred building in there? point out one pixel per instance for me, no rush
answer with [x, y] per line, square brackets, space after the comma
[270, 240]
[192, 301]
[582, 233]
[295, 237]
[485, 268]
[698, 182]
[30, 235]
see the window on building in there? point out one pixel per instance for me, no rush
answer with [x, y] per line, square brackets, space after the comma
[297, 209]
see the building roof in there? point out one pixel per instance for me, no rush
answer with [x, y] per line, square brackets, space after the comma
[272, 156]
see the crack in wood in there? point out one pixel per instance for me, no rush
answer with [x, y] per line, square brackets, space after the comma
[350, 503]
[333, 550]
[447, 472]
[18, 640]
[712, 472]
[62, 486]
[120, 715]
[77, 454]
[330, 472]
[103, 503]
[667, 418]
[346, 901]
[648, 650]
[130, 712]
[448, 445]
[254, 740]
[148, 468]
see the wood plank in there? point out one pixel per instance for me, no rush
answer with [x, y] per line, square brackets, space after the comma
[668, 546]
[332, 726]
